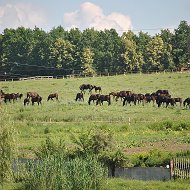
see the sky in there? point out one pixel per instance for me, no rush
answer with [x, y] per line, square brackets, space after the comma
[137, 15]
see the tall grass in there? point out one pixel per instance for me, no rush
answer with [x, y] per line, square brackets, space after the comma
[57, 173]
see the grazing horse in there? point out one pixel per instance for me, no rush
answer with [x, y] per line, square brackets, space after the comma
[123, 94]
[93, 97]
[84, 87]
[26, 101]
[9, 97]
[37, 99]
[32, 94]
[130, 98]
[141, 98]
[114, 94]
[79, 96]
[165, 99]
[186, 102]
[103, 98]
[51, 96]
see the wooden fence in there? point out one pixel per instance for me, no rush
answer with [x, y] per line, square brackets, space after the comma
[180, 168]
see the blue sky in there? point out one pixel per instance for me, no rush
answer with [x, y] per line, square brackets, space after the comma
[147, 15]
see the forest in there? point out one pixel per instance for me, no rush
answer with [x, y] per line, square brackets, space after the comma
[33, 52]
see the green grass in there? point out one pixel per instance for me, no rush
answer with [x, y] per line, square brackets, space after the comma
[131, 126]
[125, 184]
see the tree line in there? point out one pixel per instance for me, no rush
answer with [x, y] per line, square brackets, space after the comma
[30, 52]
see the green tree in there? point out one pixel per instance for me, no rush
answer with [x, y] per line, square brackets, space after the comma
[87, 62]
[155, 53]
[62, 55]
[132, 58]
[167, 58]
[17, 47]
[180, 43]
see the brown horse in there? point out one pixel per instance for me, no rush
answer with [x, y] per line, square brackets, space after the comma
[79, 96]
[32, 94]
[103, 98]
[114, 94]
[51, 96]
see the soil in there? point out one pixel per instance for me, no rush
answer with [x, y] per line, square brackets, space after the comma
[170, 146]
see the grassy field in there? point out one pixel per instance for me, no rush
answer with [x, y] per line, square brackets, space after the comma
[134, 128]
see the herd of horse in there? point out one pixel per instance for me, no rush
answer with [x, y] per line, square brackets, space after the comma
[160, 97]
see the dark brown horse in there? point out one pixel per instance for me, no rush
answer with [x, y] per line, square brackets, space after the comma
[85, 87]
[103, 98]
[37, 99]
[93, 97]
[52, 96]
[79, 96]
[8, 97]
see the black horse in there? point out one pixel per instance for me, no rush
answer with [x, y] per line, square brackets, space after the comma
[85, 87]
[79, 97]
[93, 97]
[186, 102]
[130, 98]
[103, 98]
[161, 99]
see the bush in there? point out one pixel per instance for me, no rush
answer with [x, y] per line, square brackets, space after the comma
[170, 126]
[153, 158]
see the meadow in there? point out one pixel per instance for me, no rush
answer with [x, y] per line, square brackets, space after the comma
[134, 128]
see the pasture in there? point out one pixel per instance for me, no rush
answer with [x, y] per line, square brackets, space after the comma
[135, 128]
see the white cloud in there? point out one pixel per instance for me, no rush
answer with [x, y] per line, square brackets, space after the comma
[90, 15]
[21, 14]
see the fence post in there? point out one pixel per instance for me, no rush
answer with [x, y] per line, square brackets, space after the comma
[171, 169]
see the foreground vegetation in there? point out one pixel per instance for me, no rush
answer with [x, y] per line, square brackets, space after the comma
[124, 184]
